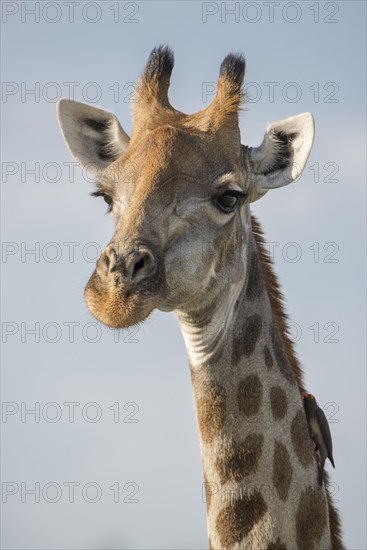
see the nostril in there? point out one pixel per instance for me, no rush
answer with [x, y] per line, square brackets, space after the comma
[139, 265]
[109, 258]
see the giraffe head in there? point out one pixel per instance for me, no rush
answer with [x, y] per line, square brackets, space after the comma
[179, 190]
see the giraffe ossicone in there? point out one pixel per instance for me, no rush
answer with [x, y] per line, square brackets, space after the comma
[180, 190]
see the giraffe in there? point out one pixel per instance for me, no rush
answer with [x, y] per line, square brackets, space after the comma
[180, 190]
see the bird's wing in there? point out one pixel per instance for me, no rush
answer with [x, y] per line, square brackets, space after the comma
[325, 431]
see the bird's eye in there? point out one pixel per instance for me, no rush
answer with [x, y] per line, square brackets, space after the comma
[228, 201]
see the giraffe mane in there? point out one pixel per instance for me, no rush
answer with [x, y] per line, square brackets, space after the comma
[276, 300]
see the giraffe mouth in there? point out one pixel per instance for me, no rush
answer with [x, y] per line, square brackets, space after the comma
[116, 307]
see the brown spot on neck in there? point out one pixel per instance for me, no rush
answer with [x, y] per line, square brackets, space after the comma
[282, 470]
[277, 545]
[211, 409]
[246, 338]
[255, 280]
[281, 357]
[311, 519]
[249, 395]
[268, 358]
[302, 444]
[237, 519]
[240, 459]
[278, 402]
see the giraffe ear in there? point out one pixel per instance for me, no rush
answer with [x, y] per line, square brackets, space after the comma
[94, 136]
[283, 154]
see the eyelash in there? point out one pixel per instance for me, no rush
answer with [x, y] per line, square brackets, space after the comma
[105, 197]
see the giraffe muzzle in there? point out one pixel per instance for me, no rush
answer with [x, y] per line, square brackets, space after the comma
[137, 265]
[114, 293]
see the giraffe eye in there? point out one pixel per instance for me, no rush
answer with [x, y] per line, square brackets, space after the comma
[228, 201]
[105, 197]
[109, 201]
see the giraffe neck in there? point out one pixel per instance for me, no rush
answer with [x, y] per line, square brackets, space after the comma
[259, 467]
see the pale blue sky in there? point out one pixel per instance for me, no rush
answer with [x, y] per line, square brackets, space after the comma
[323, 62]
